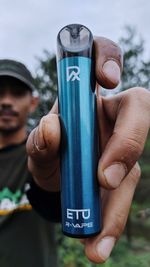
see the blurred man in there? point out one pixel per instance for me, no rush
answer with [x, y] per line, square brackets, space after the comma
[26, 239]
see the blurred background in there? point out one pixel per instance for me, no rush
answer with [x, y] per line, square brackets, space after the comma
[28, 31]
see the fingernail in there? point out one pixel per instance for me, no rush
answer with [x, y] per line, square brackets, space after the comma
[114, 174]
[112, 71]
[105, 246]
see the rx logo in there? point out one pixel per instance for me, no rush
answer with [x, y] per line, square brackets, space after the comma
[73, 73]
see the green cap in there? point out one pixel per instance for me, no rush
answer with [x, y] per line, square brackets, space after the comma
[17, 70]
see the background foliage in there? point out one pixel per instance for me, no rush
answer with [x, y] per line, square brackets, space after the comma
[133, 248]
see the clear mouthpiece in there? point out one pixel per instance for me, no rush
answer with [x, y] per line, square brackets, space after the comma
[75, 37]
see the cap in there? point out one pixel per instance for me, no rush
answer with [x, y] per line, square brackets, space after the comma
[17, 70]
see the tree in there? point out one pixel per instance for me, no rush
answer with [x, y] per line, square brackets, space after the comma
[46, 84]
[136, 70]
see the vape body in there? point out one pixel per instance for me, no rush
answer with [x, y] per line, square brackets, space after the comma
[80, 193]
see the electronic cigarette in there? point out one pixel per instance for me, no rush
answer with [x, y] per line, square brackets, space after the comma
[80, 193]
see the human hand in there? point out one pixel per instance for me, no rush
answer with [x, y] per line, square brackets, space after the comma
[43, 142]
[123, 120]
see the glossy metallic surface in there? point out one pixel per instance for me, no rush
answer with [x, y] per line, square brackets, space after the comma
[81, 211]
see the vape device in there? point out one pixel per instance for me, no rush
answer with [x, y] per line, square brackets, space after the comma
[80, 193]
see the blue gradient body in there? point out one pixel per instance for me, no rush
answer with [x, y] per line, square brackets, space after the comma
[79, 150]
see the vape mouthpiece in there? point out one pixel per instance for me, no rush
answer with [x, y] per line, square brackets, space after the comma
[74, 30]
[74, 38]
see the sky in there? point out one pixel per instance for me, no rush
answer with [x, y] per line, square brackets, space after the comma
[27, 27]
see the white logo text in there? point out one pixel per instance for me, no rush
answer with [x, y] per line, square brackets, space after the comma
[73, 73]
[78, 214]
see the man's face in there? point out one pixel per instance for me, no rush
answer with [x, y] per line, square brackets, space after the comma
[15, 104]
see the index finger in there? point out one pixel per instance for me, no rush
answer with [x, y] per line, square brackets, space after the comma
[127, 140]
[109, 62]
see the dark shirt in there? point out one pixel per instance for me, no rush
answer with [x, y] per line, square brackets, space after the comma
[26, 239]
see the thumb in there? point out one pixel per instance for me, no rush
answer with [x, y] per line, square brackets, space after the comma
[124, 147]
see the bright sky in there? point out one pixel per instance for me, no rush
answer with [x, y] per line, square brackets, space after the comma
[28, 27]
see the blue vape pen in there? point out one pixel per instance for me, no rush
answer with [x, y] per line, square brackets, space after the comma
[80, 193]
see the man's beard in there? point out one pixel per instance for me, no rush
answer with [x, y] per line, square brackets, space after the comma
[10, 130]
[7, 130]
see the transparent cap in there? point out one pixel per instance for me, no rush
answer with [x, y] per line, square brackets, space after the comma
[75, 37]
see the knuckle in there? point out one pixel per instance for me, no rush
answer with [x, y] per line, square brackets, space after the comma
[44, 120]
[138, 94]
[49, 124]
[133, 149]
[30, 143]
[135, 174]
[118, 225]
[119, 230]
[109, 49]
[33, 150]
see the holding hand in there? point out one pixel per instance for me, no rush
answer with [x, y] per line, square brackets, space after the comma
[124, 121]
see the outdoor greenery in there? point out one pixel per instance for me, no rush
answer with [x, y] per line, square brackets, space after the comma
[71, 254]
[133, 250]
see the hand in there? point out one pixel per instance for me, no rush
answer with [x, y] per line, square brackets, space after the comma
[124, 123]
[43, 142]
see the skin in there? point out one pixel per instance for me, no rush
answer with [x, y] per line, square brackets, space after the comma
[124, 121]
[14, 110]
